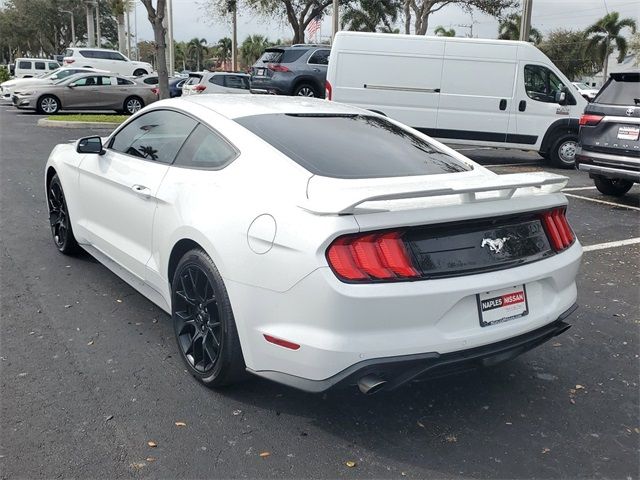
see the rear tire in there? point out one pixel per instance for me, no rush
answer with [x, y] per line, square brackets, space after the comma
[203, 322]
[306, 90]
[59, 218]
[615, 187]
[48, 104]
[562, 153]
[132, 105]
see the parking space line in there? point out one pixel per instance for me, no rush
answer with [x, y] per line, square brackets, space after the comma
[519, 164]
[575, 189]
[612, 204]
[619, 243]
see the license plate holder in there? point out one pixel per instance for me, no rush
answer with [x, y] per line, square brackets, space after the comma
[628, 132]
[260, 72]
[499, 306]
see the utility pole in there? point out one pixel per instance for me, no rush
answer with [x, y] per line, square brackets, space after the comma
[128, 31]
[234, 39]
[336, 21]
[525, 23]
[91, 33]
[73, 27]
[170, 35]
[98, 32]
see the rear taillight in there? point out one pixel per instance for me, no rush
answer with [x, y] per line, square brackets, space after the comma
[590, 120]
[155, 90]
[328, 90]
[371, 257]
[276, 67]
[558, 230]
[68, 61]
[200, 88]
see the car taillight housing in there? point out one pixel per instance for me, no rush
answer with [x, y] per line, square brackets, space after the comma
[328, 90]
[371, 257]
[155, 91]
[590, 120]
[276, 67]
[557, 228]
[69, 61]
[200, 88]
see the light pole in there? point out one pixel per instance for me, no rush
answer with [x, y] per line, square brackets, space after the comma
[73, 27]
[525, 22]
[336, 22]
[91, 33]
[170, 35]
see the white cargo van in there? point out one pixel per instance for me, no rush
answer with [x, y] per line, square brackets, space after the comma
[495, 93]
[34, 67]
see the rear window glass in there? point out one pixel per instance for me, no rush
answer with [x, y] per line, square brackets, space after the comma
[68, 53]
[351, 146]
[621, 90]
[282, 56]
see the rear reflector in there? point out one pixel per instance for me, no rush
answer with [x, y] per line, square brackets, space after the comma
[371, 257]
[280, 342]
[69, 61]
[590, 120]
[558, 230]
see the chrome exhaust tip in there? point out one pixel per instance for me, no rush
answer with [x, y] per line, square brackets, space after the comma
[370, 384]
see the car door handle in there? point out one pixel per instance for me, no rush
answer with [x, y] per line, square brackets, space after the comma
[503, 104]
[141, 191]
[522, 106]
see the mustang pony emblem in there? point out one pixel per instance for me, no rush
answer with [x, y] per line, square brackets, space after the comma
[496, 245]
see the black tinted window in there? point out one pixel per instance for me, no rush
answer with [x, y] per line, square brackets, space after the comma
[24, 65]
[40, 65]
[151, 80]
[87, 53]
[124, 81]
[217, 80]
[542, 84]
[205, 149]
[116, 56]
[351, 146]
[236, 81]
[320, 57]
[621, 90]
[282, 56]
[155, 136]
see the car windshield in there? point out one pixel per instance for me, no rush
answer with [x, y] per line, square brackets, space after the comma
[351, 145]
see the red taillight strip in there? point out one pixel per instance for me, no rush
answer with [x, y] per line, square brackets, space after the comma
[281, 342]
[328, 89]
[589, 119]
[558, 230]
[371, 256]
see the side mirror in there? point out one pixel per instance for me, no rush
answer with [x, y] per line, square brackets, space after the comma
[89, 145]
[561, 98]
[71, 85]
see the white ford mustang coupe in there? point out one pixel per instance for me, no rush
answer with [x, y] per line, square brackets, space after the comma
[316, 244]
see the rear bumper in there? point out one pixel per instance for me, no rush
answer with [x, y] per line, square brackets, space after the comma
[396, 371]
[608, 165]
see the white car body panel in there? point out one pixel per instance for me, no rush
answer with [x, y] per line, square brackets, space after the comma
[250, 218]
[125, 66]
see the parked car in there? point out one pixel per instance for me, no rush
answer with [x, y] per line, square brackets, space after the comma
[175, 83]
[274, 255]
[33, 67]
[587, 92]
[216, 82]
[85, 91]
[609, 141]
[7, 88]
[299, 70]
[109, 60]
[480, 92]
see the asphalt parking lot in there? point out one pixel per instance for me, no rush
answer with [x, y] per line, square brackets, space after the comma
[90, 373]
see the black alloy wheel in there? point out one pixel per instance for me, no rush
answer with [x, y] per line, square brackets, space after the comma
[203, 322]
[59, 218]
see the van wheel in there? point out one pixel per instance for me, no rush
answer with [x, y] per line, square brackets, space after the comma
[562, 153]
[612, 186]
[305, 90]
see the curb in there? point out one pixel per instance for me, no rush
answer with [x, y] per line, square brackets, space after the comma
[44, 122]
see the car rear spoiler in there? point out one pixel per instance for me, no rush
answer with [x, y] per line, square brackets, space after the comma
[330, 196]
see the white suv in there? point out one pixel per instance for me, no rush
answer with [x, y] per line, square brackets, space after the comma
[103, 59]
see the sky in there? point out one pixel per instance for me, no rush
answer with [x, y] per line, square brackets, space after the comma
[190, 20]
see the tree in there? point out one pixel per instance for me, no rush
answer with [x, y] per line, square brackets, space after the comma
[422, 10]
[443, 32]
[606, 32]
[568, 50]
[197, 47]
[509, 29]
[371, 15]
[252, 48]
[634, 47]
[119, 8]
[156, 17]
[147, 52]
[223, 50]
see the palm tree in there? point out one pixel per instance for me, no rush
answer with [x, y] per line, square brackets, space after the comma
[197, 47]
[368, 15]
[252, 48]
[119, 8]
[605, 32]
[223, 48]
[443, 32]
[509, 29]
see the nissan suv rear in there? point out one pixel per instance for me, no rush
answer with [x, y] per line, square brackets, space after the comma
[609, 139]
[297, 70]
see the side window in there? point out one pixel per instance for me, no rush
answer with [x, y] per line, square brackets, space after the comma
[116, 56]
[205, 149]
[24, 65]
[102, 55]
[40, 65]
[217, 80]
[155, 136]
[86, 53]
[320, 57]
[106, 81]
[53, 66]
[541, 84]
[86, 81]
[151, 80]
[124, 81]
[236, 81]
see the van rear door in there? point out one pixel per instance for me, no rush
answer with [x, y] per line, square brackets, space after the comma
[477, 93]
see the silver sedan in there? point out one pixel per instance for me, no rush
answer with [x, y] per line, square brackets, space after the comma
[86, 91]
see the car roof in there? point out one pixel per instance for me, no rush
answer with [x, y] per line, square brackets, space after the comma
[33, 59]
[237, 106]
